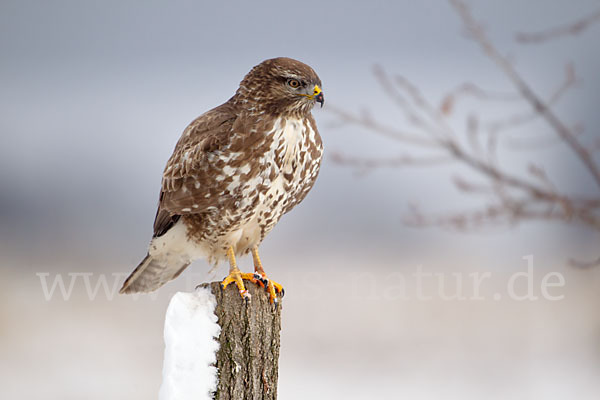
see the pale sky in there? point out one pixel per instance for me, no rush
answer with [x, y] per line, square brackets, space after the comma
[95, 95]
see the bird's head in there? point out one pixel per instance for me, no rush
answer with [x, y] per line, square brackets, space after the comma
[280, 86]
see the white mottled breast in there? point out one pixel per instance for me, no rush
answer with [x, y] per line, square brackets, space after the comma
[295, 171]
[287, 171]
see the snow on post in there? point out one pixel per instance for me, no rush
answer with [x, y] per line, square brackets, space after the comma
[189, 367]
[219, 346]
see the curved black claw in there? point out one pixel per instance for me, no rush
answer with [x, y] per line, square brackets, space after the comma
[261, 279]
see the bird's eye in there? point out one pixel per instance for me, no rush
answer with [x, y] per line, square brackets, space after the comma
[293, 83]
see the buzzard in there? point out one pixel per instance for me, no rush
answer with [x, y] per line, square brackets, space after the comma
[234, 172]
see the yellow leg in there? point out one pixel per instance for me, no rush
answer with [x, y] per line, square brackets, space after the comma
[272, 287]
[235, 275]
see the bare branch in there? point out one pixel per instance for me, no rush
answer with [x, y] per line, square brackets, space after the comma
[584, 264]
[540, 173]
[469, 187]
[539, 142]
[501, 177]
[561, 129]
[410, 114]
[365, 164]
[513, 197]
[443, 134]
[573, 28]
[506, 212]
[383, 130]
[473, 133]
[520, 119]
[469, 89]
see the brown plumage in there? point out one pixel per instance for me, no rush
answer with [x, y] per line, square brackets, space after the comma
[234, 172]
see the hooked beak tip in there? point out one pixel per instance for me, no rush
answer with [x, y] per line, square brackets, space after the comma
[320, 99]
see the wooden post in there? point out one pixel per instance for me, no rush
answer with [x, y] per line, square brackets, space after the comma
[248, 356]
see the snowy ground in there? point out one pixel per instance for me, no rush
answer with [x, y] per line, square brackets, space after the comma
[347, 335]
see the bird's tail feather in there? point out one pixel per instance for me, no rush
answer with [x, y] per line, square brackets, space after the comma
[151, 274]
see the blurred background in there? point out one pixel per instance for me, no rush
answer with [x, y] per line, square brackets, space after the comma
[94, 96]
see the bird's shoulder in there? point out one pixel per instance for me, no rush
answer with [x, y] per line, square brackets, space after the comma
[215, 147]
[206, 133]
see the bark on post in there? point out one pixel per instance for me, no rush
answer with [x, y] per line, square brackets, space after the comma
[248, 357]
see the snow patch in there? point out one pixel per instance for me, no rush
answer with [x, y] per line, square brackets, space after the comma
[191, 327]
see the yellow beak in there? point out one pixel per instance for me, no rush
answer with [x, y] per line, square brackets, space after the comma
[318, 95]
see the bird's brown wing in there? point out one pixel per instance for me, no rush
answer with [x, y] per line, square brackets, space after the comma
[188, 183]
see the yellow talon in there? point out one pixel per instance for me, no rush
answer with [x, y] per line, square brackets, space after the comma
[259, 277]
[277, 286]
[272, 294]
[273, 288]
[235, 275]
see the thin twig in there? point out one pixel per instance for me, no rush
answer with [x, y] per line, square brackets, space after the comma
[561, 129]
[584, 264]
[469, 89]
[573, 28]
[365, 164]
[514, 197]
[410, 114]
[383, 130]
[514, 121]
